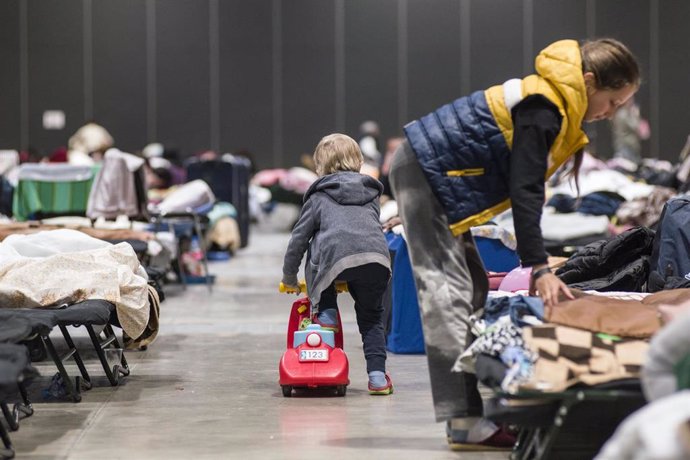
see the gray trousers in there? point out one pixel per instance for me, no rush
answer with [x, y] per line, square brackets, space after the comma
[451, 284]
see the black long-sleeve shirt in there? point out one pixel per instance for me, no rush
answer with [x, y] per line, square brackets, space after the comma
[536, 123]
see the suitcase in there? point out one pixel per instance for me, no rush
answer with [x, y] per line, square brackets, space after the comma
[229, 181]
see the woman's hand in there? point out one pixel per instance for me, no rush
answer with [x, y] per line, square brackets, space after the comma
[392, 222]
[548, 286]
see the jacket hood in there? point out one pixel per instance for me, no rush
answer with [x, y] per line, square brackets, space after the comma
[561, 64]
[348, 188]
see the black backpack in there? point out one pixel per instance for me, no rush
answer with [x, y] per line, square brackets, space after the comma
[670, 260]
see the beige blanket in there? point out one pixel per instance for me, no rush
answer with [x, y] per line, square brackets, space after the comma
[65, 266]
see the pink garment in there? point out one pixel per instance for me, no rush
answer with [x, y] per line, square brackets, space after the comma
[268, 177]
[298, 180]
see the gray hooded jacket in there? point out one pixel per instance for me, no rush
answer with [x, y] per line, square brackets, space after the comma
[339, 226]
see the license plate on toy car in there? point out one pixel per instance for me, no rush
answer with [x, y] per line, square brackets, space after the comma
[313, 355]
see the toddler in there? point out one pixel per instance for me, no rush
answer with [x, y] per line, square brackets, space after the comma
[339, 230]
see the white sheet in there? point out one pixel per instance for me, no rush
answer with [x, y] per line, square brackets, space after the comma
[561, 227]
[605, 181]
[187, 197]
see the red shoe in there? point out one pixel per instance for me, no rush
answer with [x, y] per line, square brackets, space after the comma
[384, 390]
[501, 440]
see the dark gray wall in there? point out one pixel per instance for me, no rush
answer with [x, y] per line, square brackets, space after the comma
[673, 76]
[273, 76]
[246, 77]
[10, 88]
[182, 74]
[119, 70]
[307, 49]
[55, 68]
[371, 86]
[495, 42]
[628, 21]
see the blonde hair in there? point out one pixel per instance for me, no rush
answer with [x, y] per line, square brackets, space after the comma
[337, 152]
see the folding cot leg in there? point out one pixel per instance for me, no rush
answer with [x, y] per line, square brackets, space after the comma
[77, 357]
[544, 445]
[180, 263]
[72, 388]
[25, 407]
[179, 270]
[197, 228]
[530, 447]
[118, 369]
[109, 333]
[12, 422]
[8, 451]
[523, 444]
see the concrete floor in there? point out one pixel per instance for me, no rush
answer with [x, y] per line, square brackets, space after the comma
[208, 387]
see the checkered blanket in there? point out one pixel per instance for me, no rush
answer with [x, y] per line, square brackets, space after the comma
[568, 356]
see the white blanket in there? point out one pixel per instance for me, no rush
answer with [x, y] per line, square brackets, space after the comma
[187, 197]
[58, 267]
[605, 181]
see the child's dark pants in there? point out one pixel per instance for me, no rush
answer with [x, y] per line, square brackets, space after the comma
[367, 284]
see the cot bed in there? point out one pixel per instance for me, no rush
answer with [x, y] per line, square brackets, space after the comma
[90, 314]
[572, 424]
[566, 387]
[13, 360]
[186, 226]
[15, 371]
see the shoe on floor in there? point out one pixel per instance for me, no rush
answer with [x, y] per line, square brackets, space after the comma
[501, 440]
[382, 390]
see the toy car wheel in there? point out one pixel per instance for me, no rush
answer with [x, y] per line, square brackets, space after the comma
[340, 390]
[287, 390]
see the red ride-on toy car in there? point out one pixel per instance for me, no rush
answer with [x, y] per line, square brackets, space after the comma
[314, 357]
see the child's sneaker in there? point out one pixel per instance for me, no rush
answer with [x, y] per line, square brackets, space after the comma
[380, 383]
[328, 319]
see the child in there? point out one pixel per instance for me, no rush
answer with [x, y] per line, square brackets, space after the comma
[474, 158]
[340, 231]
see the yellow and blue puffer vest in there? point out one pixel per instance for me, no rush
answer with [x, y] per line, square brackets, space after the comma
[464, 147]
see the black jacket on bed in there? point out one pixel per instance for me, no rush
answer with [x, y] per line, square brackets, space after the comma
[619, 264]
